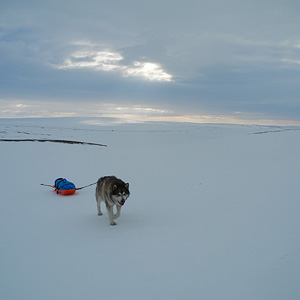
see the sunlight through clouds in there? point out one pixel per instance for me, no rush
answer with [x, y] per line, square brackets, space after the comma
[109, 61]
[151, 71]
[108, 113]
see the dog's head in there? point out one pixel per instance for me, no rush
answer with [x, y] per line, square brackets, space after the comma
[120, 192]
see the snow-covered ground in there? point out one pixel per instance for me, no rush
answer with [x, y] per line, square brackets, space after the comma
[214, 212]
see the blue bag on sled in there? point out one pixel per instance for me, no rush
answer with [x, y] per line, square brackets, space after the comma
[64, 187]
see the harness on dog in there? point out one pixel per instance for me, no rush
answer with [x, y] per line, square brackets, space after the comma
[64, 187]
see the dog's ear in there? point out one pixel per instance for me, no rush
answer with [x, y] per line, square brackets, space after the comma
[115, 187]
[127, 185]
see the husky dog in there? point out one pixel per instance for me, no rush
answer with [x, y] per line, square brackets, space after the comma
[112, 191]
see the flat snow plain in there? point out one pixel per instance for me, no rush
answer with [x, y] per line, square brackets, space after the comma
[214, 212]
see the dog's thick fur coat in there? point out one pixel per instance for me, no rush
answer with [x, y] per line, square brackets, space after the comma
[113, 192]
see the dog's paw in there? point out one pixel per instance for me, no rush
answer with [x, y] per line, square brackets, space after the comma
[113, 223]
[100, 214]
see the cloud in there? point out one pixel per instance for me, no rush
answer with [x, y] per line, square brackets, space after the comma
[108, 113]
[151, 71]
[11, 108]
[109, 61]
[97, 60]
[291, 61]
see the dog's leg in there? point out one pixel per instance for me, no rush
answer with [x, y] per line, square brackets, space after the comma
[111, 215]
[117, 215]
[98, 205]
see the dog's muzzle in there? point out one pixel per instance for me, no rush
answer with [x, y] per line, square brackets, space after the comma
[122, 202]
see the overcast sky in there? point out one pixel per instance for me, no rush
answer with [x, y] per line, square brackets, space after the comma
[193, 60]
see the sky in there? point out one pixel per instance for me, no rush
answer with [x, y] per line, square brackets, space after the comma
[205, 61]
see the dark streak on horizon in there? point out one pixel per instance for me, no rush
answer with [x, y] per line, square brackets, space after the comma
[52, 141]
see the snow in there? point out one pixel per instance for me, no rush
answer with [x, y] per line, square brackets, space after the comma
[213, 212]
